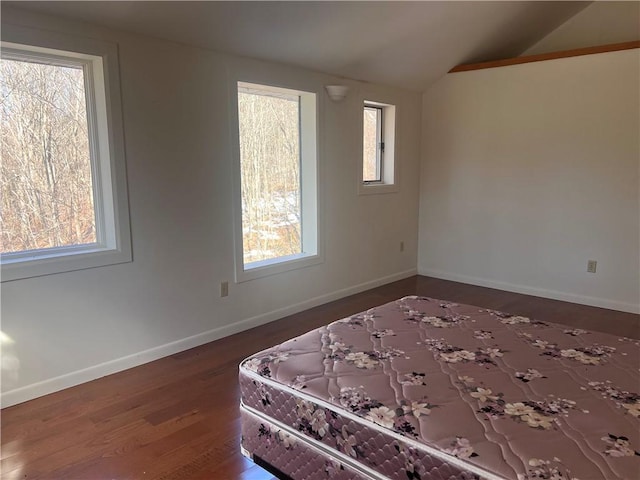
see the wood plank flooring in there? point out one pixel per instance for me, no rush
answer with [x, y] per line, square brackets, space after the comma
[177, 418]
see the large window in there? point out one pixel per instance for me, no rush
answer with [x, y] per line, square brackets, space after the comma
[378, 148]
[62, 206]
[277, 144]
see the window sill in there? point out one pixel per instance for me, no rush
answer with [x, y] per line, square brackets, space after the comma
[266, 268]
[377, 188]
[41, 263]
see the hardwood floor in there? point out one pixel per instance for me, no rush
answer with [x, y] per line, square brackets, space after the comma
[177, 418]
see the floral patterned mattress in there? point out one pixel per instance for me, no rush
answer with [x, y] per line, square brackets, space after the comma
[408, 388]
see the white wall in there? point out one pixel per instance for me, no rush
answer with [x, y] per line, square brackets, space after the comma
[601, 23]
[530, 170]
[77, 326]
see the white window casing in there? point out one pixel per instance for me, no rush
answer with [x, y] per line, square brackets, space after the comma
[308, 138]
[99, 62]
[388, 182]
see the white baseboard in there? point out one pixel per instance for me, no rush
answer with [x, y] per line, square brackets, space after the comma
[538, 292]
[45, 387]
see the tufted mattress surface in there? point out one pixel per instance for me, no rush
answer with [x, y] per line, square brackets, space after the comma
[424, 388]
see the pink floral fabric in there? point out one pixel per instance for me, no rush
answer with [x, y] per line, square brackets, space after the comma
[512, 397]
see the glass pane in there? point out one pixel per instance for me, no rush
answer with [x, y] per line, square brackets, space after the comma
[270, 167]
[47, 195]
[370, 160]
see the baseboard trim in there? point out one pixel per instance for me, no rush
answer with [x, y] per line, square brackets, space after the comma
[538, 292]
[45, 387]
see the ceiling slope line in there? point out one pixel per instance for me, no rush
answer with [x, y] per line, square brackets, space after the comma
[613, 47]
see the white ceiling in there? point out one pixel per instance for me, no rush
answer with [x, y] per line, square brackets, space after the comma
[405, 44]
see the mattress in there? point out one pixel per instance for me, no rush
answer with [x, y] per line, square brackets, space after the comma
[424, 388]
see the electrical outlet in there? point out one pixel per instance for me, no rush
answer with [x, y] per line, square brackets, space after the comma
[224, 289]
[402, 246]
[591, 266]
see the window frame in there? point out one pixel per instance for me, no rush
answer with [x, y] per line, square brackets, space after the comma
[380, 145]
[106, 143]
[388, 169]
[312, 253]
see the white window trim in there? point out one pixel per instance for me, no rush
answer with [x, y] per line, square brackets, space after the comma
[107, 163]
[390, 177]
[309, 151]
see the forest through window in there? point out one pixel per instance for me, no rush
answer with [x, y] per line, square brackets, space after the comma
[46, 187]
[269, 126]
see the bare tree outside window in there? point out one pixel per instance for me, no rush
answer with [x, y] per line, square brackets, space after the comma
[270, 174]
[46, 183]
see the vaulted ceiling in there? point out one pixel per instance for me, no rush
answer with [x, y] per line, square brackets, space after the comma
[405, 44]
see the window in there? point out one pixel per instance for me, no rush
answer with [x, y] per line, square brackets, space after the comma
[62, 179]
[378, 148]
[278, 191]
[372, 145]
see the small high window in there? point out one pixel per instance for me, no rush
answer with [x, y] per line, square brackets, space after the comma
[378, 147]
[373, 144]
[60, 195]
